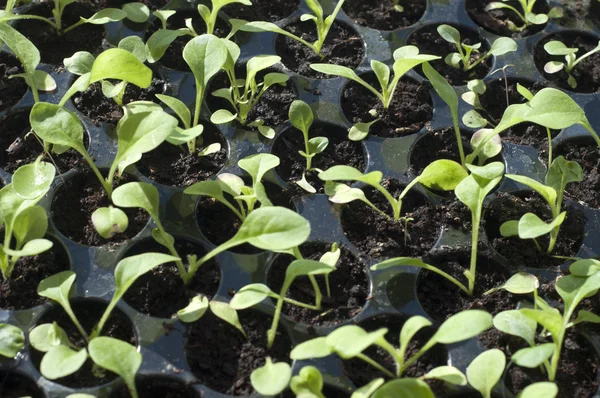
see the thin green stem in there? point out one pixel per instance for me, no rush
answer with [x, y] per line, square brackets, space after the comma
[92, 165]
[474, 64]
[461, 150]
[75, 321]
[476, 216]
[549, 145]
[418, 355]
[76, 24]
[171, 247]
[300, 304]
[376, 365]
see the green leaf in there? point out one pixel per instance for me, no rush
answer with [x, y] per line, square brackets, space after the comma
[109, 221]
[531, 226]
[194, 310]
[250, 295]
[443, 174]
[79, 63]
[228, 314]
[271, 378]
[137, 12]
[57, 125]
[180, 109]
[350, 340]
[257, 165]
[405, 388]
[315, 348]
[532, 357]
[307, 267]
[138, 194]
[360, 131]
[182, 137]
[205, 55]
[586, 316]
[555, 47]
[31, 248]
[222, 116]
[382, 72]
[12, 340]
[24, 49]
[450, 34]
[563, 172]
[367, 390]
[449, 374]
[510, 228]
[549, 320]
[492, 146]
[301, 116]
[573, 289]
[443, 89]
[411, 327]
[43, 81]
[553, 67]
[62, 361]
[472, 190]
[503, 45]
[105, 16]
[462, 326]
[47, 336]
[519, 283]
[134, 45]
[309, 380]
[317, 145]
[33, 180]
[30, 224]
[544, 389]
[158, 43]
[57, 287]
[585, 267]
[257, 64]
[548, 193]
[486, 370]
[474, 120]
[117, 356]
[119, 64]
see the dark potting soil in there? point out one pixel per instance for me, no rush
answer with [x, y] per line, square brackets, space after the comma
[587, 153]
[349, 287]
[441, 298]
[497, 21]
[361, 373]
[381, 14]
[494, 103]
[523, 252]
[263, 10]
[158, 387]
[18, 149]
[439, 144]
[222, 359]
[97, 107]
[173, 57]
[101, 4]
[343, 46]
[16, 385]
[161, 292]
[586, 73]
[76, 200]
[339, 151]
[429, 41]
[272, 107]
[54, 48]
[20, 291]
[88, 313]
[219, 224]
[11, 90]
[175, 166]
[410, 110]
[381, 237]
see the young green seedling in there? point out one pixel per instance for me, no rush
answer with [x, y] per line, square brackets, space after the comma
[24, 224]
[198, 306]
[442, 175]
[12, 340]
[555, 47]
[530, 226]
[244, 94]
[501, 46]
[245, 198]
[485, 371]
[525, 14]
[272, 378]
[323, 25]
[62, 357]
[405, 58]
[350, 342]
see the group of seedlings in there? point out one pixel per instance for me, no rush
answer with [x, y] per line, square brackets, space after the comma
[473, 173]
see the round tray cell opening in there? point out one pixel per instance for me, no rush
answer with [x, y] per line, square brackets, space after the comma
[17, 385]
[20, 148]
[382, 14]
[88, 312]
[411, 107]
[155, 386]
[349, 286]
[263, 10]
[505, 22]
[430, 42]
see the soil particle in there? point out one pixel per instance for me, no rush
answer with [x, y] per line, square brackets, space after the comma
[11, 90]
[349, 287]
[343, 46]
[498, 21]
[222, 359]
[158, 387]
[263, 10]
[429, 41]
[381, 14]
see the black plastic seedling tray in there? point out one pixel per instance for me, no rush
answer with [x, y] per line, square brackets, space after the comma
[162, 341]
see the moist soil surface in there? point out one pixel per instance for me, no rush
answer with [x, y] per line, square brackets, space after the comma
[439, 144]
[349, 287]
[78, 198]
[381, 237]
[156, 387]
[161, 292]
[343, 46]
[219, 224]
[381, 14]
[222, 359]
[175, 166]
[430, 42]
[101, 4]
[263, 10]
[88, 312]
[18, 149]
[410, 110]
[523, 252]
[13, 385]
[20, 291]
[11, 90]
[97, 107]
[361, 373]
[339, 151]
[272, 107]
[173, 57]
[494, 102]
[587, 153]
[586, 73]
[498, 21]
[54, 48]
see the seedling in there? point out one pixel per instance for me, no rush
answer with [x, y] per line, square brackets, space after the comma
[442, 175]
[350, 341]
[530, 226]
[323, 25]
[501, 46]
[272, 378]
[245, 198]
[485, 371]
[397, 6]
[12, 340]
[556, 47]
[405, 58]
[525, 14]
[62, 357]
[24, 223]
[244, 94]
[198, 306]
